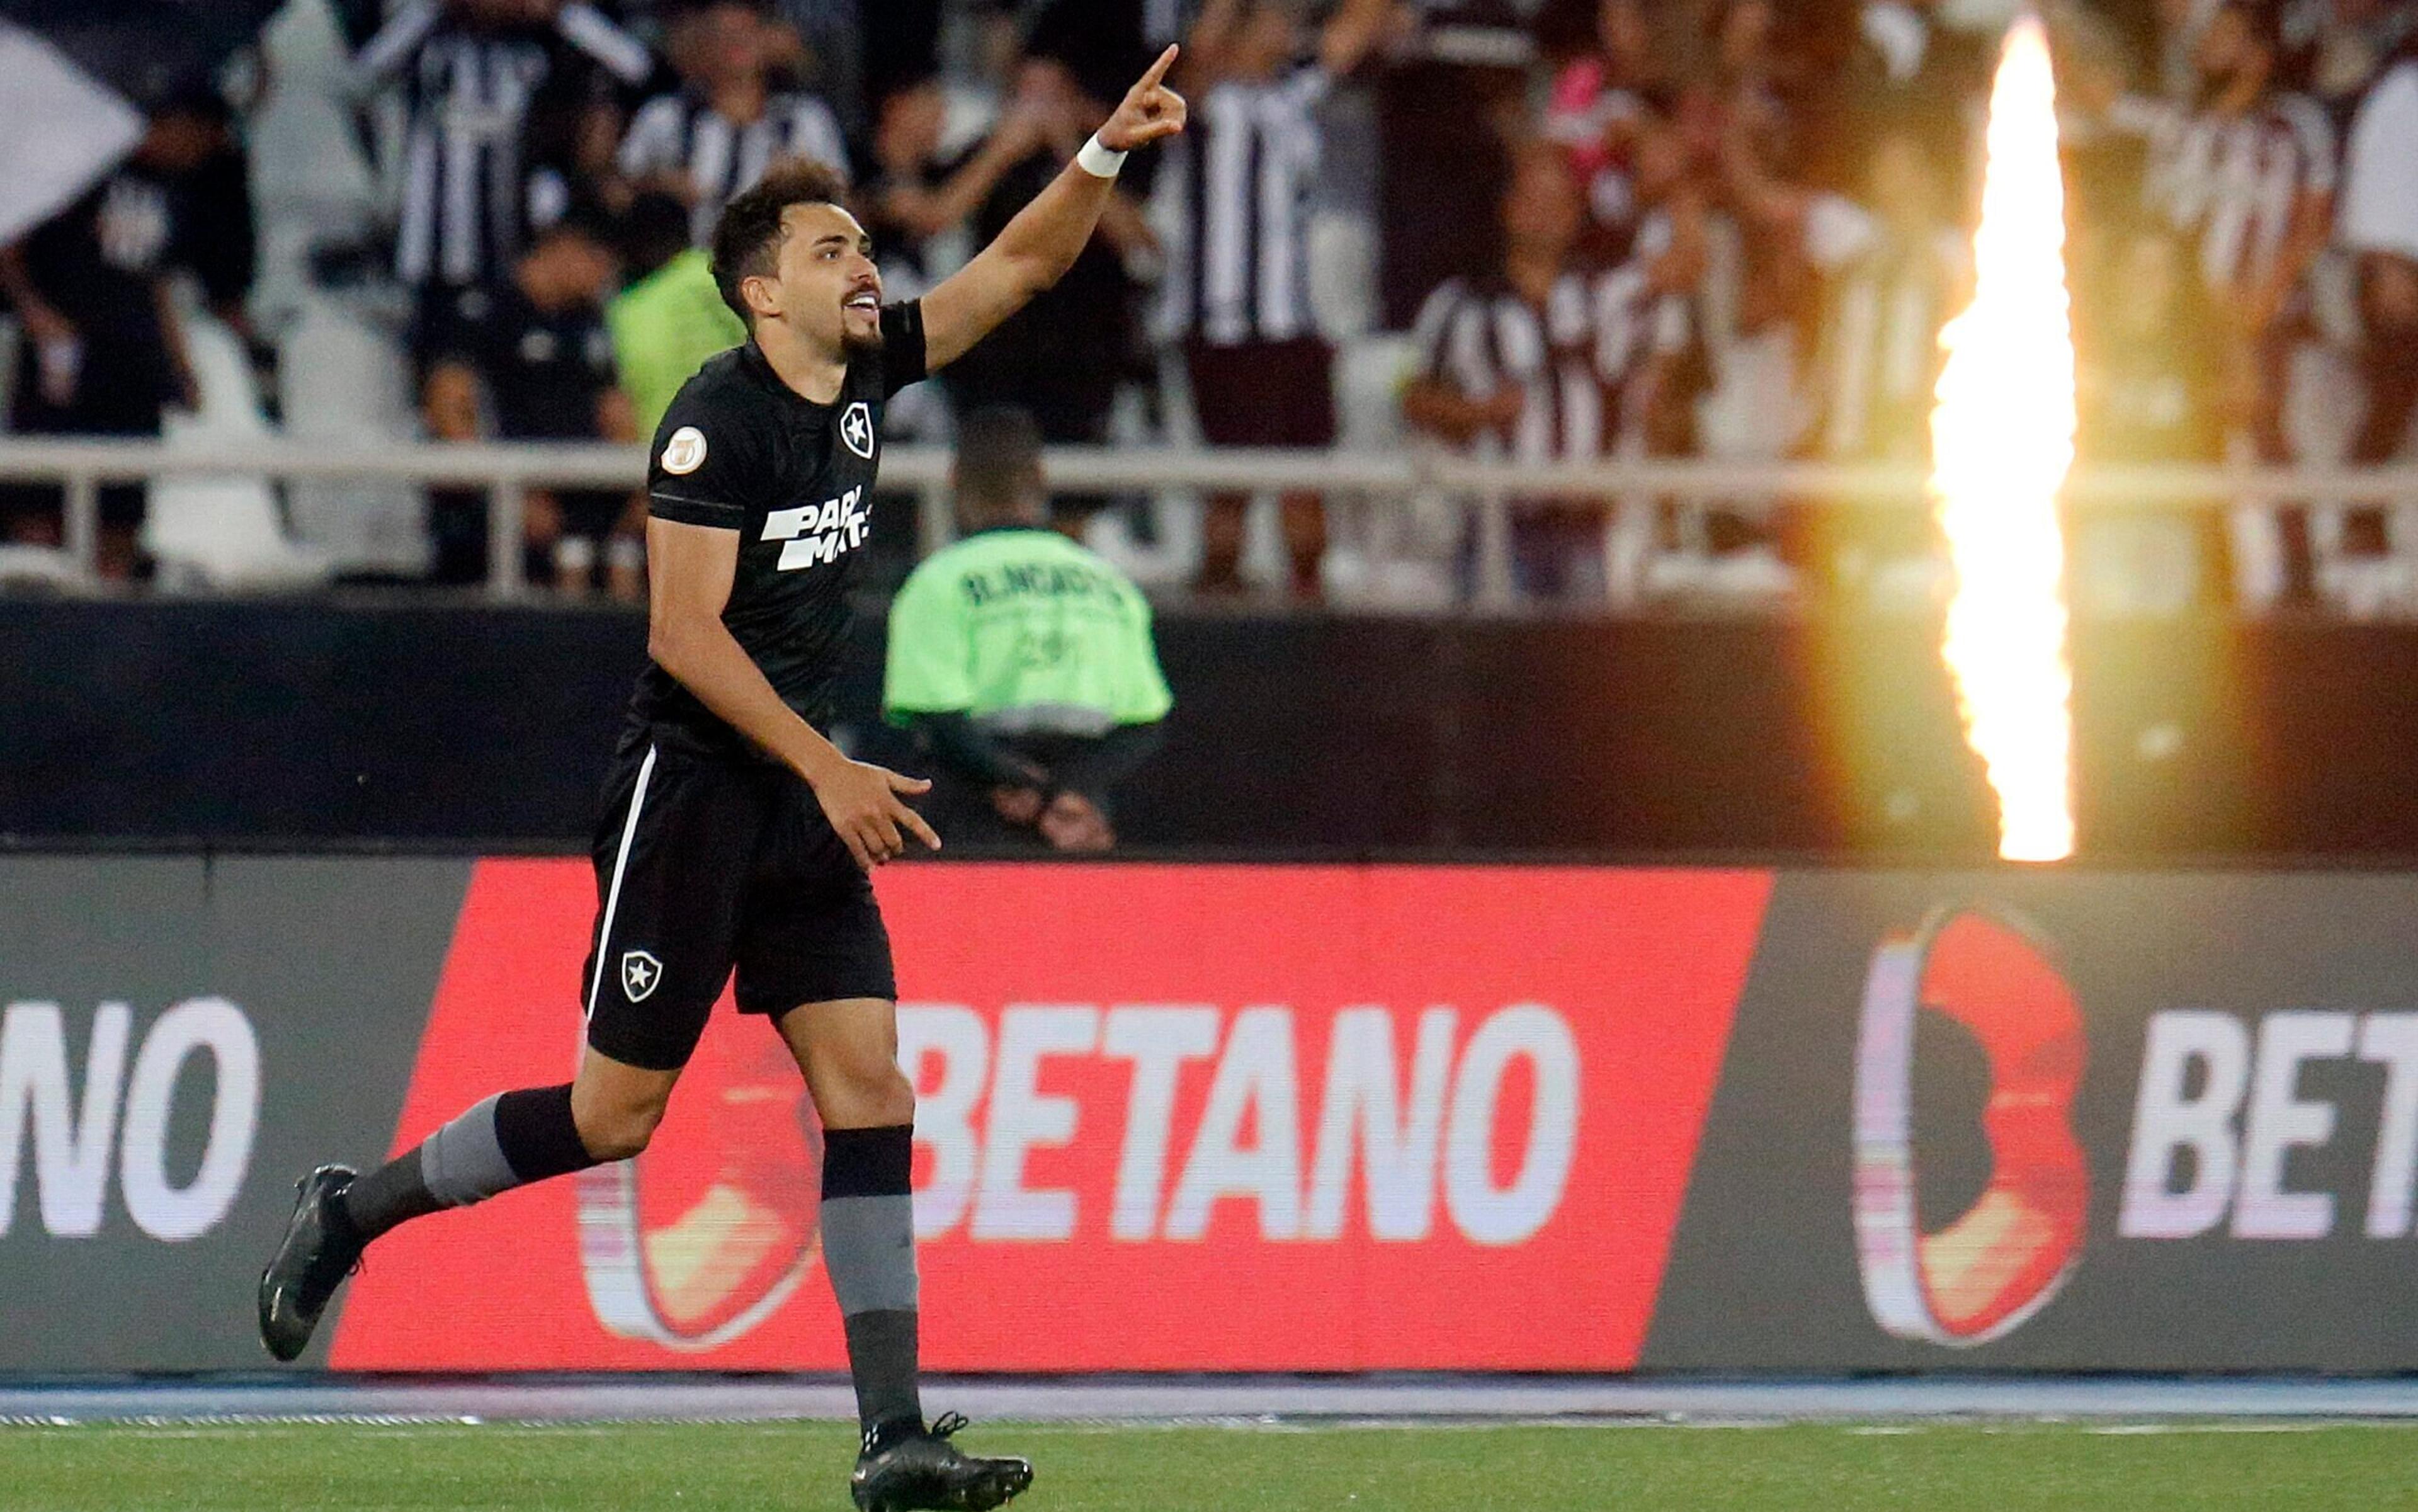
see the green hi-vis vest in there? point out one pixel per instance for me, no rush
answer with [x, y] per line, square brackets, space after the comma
[1026, 632]
[664, 328]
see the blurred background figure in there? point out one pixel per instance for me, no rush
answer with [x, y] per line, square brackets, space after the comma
[528, 359]
[2245, 175]
[733, 114]
[103, 348]
[2149, 388]
[1892, 267]
[1261, 375]
[671, 317]
[1064, 356]
[505, 104]
[1599, 97]
[2379, 232]
[1023, 662]
[1539, 362]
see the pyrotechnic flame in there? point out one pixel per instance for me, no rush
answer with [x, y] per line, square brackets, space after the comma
[2003, 439]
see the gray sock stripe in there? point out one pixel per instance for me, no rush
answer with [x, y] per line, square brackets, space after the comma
[463, 1162]
[869, 1249]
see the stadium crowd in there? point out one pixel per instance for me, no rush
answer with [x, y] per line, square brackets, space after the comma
[1538, 229]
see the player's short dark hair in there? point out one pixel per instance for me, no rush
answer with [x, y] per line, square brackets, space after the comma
[747, 235]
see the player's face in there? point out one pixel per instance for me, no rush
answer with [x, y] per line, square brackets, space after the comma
[828, 288]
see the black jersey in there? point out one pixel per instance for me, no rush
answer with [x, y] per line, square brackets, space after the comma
[739, 449]
[545, 370]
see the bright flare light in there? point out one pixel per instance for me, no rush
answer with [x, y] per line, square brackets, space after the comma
[2001, 440]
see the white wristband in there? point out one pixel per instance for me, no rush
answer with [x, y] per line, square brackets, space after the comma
[1098, 161]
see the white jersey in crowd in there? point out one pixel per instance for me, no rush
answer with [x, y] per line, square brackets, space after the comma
[2231, 183]
[1878, 359]
[2379, 198]
[682, 133]
[1575, 359]
[1248, 164]
[467, 92]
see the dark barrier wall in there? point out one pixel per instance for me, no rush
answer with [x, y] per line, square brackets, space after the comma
[232, 723]
[1390, 1117]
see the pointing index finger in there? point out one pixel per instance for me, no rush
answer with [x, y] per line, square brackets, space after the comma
[1159, 70]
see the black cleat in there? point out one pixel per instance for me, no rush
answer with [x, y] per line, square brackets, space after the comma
[319, 1251]
[906, 1467]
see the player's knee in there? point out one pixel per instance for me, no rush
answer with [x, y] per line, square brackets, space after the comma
[620, 1133]
[876, 1095]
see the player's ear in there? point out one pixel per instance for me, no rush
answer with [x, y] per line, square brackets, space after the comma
[757, 290]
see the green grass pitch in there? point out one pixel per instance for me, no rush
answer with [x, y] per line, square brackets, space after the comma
[706, 1467]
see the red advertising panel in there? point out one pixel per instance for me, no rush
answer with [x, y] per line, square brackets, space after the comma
[1213, 1117]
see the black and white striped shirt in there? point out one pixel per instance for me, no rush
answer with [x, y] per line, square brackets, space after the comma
[467, 95]
[1251, 159]
[2231, 183]
[1576, 359]
[1886, 296]
[682, 133]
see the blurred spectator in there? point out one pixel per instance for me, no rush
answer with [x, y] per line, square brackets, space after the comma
[528, 359]
[1261, 373]
[1903, 71]
[2150, 367]
[2175, 68]
[1594, 108]
[2147, 379]
[1098, 42]
[103, 348]
[1543, 363]
[2380, 227]
[863, 51]
[901, 44]
[1023, 661]
[2247, 176]
[671, 317]
[1062, 355]
[2335, 49]
[492, 89]
[1451, 101]
[1896, 268]
[713, 139]
[918, 193]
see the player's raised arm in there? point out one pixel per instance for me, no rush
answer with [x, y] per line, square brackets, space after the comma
[1034, 250]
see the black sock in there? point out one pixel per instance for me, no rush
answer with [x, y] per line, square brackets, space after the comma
[508, 1141]
[868, 1241]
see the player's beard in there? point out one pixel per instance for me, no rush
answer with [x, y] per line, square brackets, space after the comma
[861, 345]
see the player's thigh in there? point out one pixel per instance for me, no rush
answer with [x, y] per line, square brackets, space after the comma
[674, 844]
[814, 955]
[847, 1052]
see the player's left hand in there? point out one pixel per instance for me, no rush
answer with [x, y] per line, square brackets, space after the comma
[1149, 110]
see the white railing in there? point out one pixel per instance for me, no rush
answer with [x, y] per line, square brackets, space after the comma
[505, 471]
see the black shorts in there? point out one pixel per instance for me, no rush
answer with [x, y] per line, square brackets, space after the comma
[706, 864]
[1265, 393]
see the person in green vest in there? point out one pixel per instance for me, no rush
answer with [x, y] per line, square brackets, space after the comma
[669, 321]
[1022, 661]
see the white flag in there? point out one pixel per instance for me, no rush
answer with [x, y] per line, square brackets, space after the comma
[66, 130]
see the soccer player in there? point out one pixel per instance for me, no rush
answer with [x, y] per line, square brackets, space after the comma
[734, 834]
